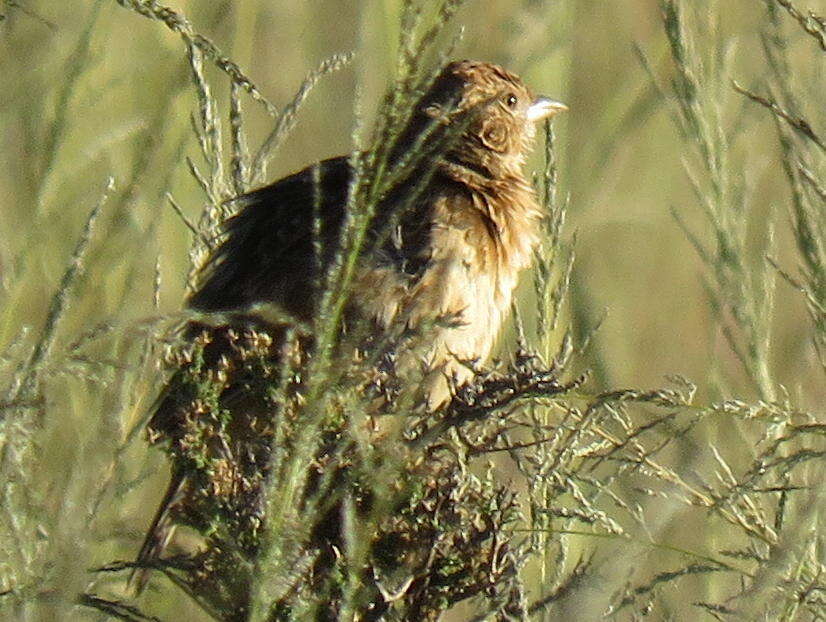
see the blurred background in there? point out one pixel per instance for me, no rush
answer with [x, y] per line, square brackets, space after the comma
[90, 91]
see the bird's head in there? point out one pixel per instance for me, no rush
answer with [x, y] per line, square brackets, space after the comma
[492, 113]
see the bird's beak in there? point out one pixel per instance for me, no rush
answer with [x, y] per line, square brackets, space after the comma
[544, 108]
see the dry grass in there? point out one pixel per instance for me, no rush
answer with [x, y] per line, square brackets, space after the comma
[694, 126]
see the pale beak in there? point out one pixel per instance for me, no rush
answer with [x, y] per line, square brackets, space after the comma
[544, 108]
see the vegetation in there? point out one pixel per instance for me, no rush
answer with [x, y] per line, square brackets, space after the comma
[688, 181]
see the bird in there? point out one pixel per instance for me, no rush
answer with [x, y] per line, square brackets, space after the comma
[447, 239]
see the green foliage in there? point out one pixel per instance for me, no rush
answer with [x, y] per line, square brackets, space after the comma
[535, 493]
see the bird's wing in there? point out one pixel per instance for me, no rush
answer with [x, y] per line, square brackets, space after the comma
[270, 250]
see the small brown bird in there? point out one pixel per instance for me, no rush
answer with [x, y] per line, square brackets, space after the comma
[449, 239]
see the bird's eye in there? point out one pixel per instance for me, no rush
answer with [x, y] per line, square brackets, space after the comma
[511, 100]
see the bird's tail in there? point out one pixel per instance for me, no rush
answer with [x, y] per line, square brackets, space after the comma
[158, 536]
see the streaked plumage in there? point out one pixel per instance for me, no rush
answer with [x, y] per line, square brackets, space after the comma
[456, 250]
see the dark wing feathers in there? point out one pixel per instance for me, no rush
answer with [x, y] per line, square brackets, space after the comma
[267, 252]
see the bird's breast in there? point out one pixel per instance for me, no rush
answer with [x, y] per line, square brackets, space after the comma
[463, 294]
